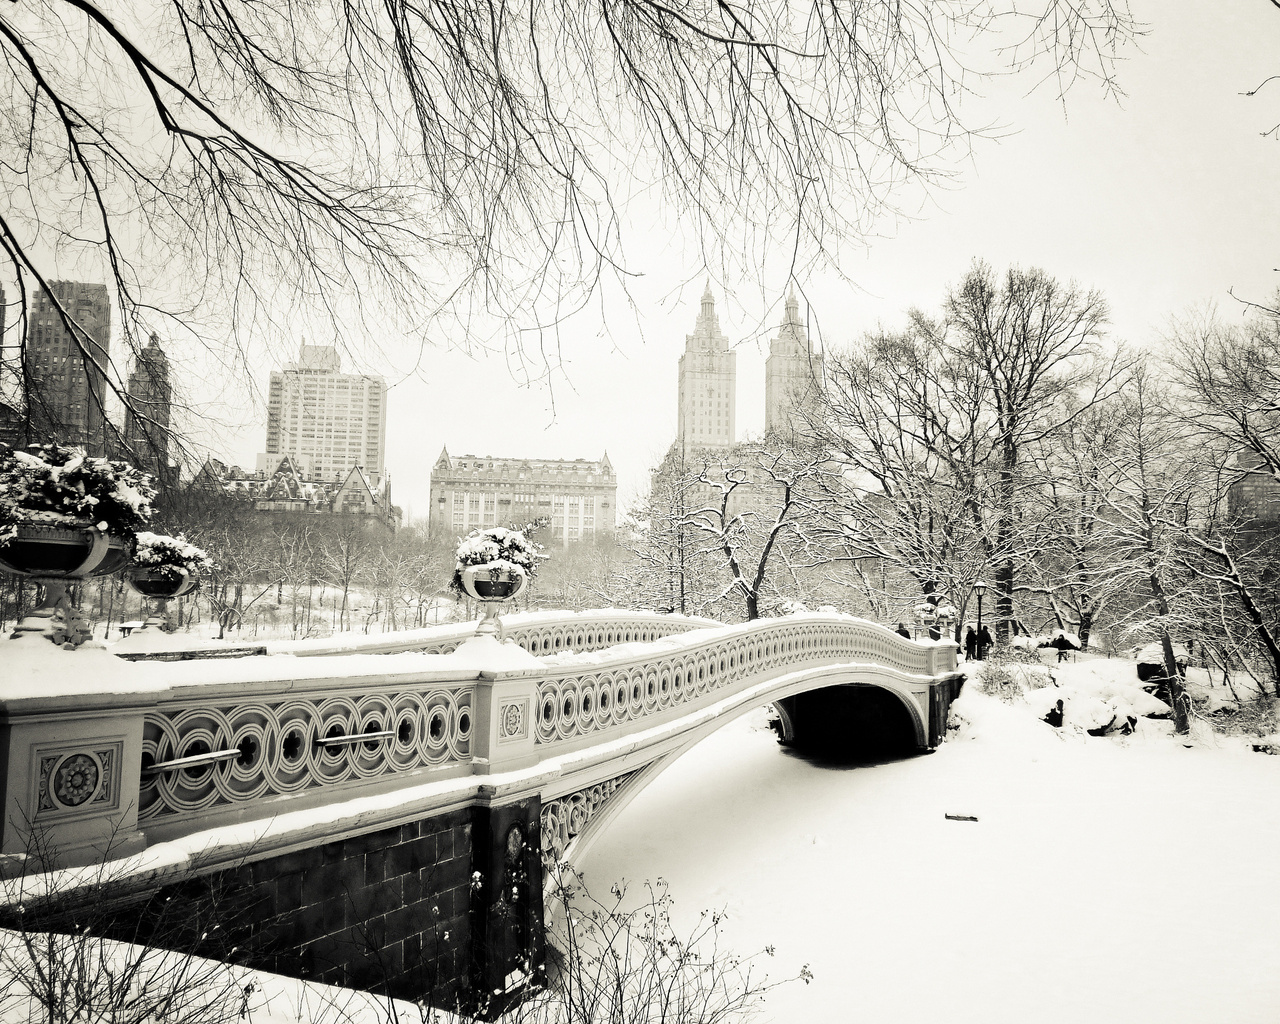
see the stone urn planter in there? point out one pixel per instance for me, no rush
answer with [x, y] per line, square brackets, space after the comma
[493, 566]
[492, 586]
[55, 556]
[163, 568]
[160, 586]
[65, 516]
[67, 552]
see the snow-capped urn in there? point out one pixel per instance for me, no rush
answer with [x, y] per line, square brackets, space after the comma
[165, 566]
[943, 611]
[491, 560]
[494, 565]
[65, 516]
[60, 486]
[170, 556]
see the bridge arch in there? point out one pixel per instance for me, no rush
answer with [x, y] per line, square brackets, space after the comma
[572, 822]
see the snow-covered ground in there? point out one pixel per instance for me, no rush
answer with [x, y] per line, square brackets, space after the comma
[1107, 879]
[1112, 879]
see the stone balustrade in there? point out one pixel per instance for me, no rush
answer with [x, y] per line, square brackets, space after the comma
[140, 753]
[538, 633]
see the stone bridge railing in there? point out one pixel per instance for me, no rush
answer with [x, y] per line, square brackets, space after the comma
[538, 633]
[139, 753]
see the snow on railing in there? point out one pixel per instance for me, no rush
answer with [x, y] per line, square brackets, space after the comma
[159, 751]
[540, 632]
[620, 688]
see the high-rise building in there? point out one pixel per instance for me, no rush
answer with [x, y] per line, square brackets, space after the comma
[11, 418]
[146, 418]
[326, 421]
[708, 383]
[791, 373]
[66, 372]
[578, 499]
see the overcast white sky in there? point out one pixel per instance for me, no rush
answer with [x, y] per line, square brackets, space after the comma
[1163, 201]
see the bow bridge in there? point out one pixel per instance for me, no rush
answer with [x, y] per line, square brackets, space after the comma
[392, 814]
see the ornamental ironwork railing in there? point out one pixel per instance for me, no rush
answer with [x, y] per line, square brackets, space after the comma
[196, 757]
[607, 697]
[190, 746]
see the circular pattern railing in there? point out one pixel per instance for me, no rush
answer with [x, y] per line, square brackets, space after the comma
[197, 758]
[578, 632]
[575, 704]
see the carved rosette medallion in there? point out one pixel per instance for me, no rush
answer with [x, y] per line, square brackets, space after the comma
[77, 780]
[513, 721]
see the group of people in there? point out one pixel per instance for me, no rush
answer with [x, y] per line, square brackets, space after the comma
[976, 642]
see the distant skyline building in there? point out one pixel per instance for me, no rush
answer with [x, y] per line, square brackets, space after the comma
[578, 498]
[791, 373]
[146, 417]
[326, 421]
[65, 373]
[285, 490]
[708, 380]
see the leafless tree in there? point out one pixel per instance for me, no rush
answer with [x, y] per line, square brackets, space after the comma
[940, 426]
[907, 498]
[1080, 572]
[1033, 349]
[235, 169]
[1230, 376]
[757, 508]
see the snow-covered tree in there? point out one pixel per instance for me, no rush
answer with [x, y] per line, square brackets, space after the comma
[941, 426]
[758, 507]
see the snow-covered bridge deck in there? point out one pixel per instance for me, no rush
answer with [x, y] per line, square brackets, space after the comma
[200, 767]
[540, 633]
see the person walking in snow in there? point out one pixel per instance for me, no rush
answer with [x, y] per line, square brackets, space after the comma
[970, 644]
[903, 631]
[984, 642]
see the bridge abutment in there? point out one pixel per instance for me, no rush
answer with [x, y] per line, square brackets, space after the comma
[446, 910]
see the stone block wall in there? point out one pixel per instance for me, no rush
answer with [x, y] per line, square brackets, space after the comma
[388, 911]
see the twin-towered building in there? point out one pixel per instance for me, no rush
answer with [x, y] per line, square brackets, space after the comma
[577, 500]
[707, 411]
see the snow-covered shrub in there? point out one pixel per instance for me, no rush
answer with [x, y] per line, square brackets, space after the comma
[56, 485]
[792, 608]
[170, 556]
[1011, 671]
[623, 959]
[1247, 718]
[498, 548]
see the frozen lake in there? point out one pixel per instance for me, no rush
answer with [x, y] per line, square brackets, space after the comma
[1107, 880]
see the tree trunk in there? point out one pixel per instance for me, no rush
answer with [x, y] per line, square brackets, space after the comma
[1177, 692]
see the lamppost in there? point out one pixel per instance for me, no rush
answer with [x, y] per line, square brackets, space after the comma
[980, 588]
